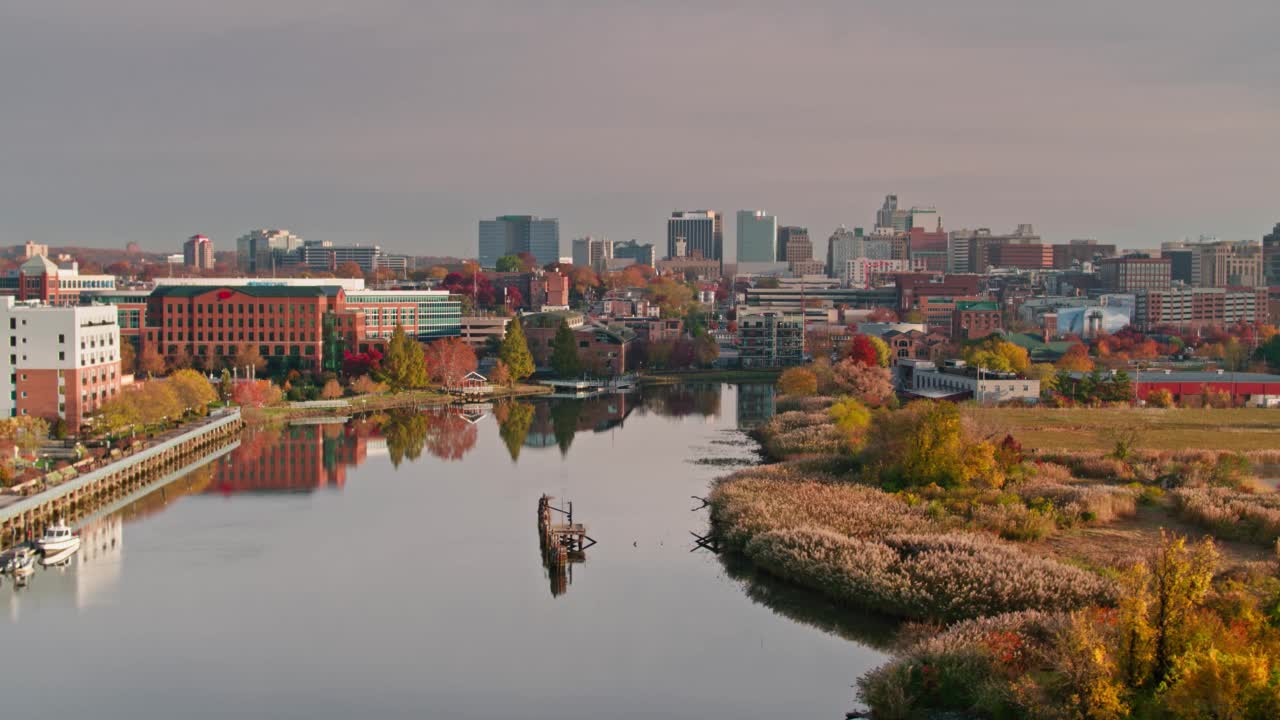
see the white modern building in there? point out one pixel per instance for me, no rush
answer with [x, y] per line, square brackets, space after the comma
[955, 381]
[63, 362]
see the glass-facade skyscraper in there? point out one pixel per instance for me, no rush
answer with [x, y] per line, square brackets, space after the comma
[757, 236]
[701, 231]
[514, 234]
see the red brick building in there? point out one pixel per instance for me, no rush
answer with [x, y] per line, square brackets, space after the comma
[602, 350]
[973, 320]
[1029, 256]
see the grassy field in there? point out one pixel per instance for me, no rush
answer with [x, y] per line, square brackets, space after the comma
[1160, 429]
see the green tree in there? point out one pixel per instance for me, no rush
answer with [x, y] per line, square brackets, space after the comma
[509, 263]
[1270, 352]
[404, 365]
[564, 352]
[514, 351]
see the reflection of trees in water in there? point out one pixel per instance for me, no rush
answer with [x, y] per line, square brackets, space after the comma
[443, 433]
[683, 400]
[564, 422]
[809, 608]
[514, 420]
[405, 433]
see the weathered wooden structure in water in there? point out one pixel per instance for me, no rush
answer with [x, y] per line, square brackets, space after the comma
[26, 519]
[562, 543]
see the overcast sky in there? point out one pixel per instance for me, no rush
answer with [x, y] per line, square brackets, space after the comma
[403, 123]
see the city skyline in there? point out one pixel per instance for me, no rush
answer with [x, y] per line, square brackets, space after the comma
[392, 134]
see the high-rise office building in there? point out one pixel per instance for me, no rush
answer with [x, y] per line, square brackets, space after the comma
[884, 216]
[843, 246]
[794, 244]
[1228, 264]
[262, 250]
[515, 234]
[592, 252]
[926, 218]
[757, 236]
[702, 232]
[197, 253]
[1271, 256]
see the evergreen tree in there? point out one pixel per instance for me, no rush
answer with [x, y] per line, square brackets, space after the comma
[515, 352]
[404, 365]
[564, 352]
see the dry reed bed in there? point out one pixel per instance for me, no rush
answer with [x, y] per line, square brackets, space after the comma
[941, 577]
[1228, 513]
[862, 546]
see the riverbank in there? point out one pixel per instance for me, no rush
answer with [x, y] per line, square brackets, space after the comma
[675, 377]
[376, 403]
[1020, 553]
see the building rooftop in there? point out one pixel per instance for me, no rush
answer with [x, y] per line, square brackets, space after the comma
[275, 291]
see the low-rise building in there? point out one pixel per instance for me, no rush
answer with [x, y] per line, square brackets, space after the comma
[39, 278]
[953, 380]
[63, 362]
[975, 319]
[602, 350]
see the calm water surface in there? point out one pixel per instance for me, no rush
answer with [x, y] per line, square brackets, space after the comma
[391, 568]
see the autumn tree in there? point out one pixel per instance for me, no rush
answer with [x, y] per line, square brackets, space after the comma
[514, 420]
[178, 360]
[798, 381]
[249, 355]
[705, 350]
[500, 375]
[869, 383]
[150, 361]
[514, 351]
[862, 351]
[1160, 398]
[564, 351]
[365, 385]
[349, 269]
[193, 391]
[927, 443]
[1075, 359]
[128, 357]
[997, 355]
[404, 366]
[24, 432]
[257, 393]
[332, 390]
[449, 360]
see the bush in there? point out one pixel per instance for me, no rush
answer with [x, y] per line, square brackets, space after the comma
[798, 381]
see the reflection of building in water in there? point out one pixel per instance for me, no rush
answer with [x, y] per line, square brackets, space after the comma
[701, 399]
[755, 405]
[99, 559]
[556, 422]
[297, 458]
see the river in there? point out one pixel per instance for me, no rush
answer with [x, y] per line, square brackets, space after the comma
[390, 567]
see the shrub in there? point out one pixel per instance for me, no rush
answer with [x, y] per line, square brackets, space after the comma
[798, 381]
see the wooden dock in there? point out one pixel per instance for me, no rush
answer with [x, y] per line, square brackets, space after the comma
[563, 543]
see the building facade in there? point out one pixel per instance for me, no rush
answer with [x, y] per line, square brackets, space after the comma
[769, 339]
[757, 236]
[1131, 273]
[1271, 256]
[643, 254]
[702, 232]
[515, 234]
[197, 253]
[261, 251]
[794, 244]
[1195, 308]
[39, 278]
[63, 362]
[592, 252]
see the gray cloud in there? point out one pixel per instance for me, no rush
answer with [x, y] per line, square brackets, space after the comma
[403, 123]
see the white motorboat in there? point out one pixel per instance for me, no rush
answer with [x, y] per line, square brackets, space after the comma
[58, 537]
[21, 563]
[60, 559]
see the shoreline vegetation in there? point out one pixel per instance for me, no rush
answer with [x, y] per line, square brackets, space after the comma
[376, 403]
[1043, 565]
